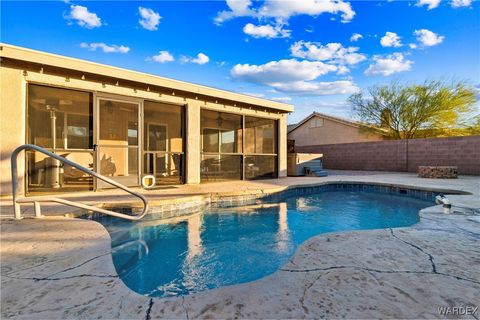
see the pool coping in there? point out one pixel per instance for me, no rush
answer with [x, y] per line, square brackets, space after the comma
[188, 205]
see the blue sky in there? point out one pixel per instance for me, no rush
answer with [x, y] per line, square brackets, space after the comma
[300, 52]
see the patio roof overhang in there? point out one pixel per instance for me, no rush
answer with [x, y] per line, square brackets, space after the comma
[143, 81]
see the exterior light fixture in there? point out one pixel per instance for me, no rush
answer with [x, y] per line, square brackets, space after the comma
[109, 106]
[219, 120]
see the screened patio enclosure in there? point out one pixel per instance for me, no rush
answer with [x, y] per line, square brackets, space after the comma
[118, 137]
[126, 138]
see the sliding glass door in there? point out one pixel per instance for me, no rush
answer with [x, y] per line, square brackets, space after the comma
[118, 141]
[163, 153]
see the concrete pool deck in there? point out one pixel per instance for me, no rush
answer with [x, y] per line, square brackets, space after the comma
[62, 268]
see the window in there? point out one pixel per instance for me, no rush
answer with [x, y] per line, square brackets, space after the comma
[211, 140]
[218, 141]
[316, 122]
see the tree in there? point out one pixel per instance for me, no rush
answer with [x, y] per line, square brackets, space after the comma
[431, 109]
[474, 129]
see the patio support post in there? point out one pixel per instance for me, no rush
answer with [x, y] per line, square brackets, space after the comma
[282, 146]
[193, 141]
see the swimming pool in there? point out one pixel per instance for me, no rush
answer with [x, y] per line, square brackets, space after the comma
[228, 246]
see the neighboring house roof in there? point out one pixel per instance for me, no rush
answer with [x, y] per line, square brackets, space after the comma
[290, 127]
[346, 122]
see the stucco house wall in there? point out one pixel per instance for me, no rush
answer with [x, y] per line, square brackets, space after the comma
[331, 132]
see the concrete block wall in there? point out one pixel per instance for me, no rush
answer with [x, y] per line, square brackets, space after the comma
[402, 155]
[463, 152]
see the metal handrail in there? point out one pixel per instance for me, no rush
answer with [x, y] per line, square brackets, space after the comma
[36, 200]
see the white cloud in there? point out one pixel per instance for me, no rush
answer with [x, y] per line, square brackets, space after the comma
[83, 17]
[266, 31]
[254, 94]
[283, 10]
[287, 9]
[314, 88]
[342, 70]
[163, 56]
[388, 65]
[432, 4]
[314, 51]
[428, 38]
[413, 46]
[355, 37]
[104, 47]
[281, 71]
[294, 77]
[461, 3]
[200, 59]
[390, 39]
[281, 99]
[149, 19]
[333, 52]
[238, 8]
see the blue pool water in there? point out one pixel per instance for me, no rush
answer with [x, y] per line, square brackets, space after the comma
[235, 245]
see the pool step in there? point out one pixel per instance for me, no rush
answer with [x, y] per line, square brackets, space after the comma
[317, 173]
[315, 169]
